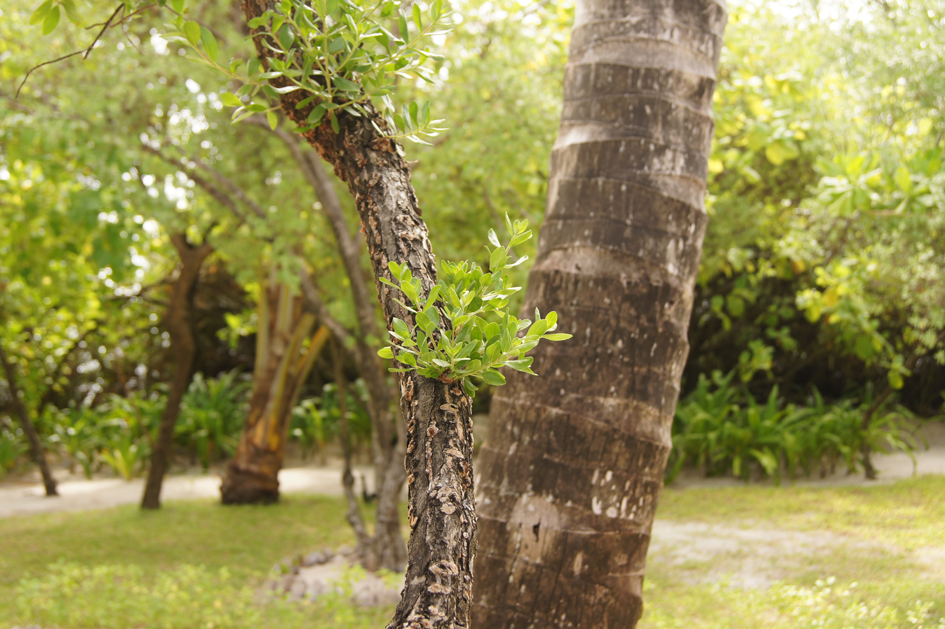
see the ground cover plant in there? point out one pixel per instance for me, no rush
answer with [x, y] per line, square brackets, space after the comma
[196, 563]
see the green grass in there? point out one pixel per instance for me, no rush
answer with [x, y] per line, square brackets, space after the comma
[76, 559]
[197, 564]
[909, 514]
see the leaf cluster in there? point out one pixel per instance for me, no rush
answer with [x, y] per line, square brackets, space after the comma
[463, 329]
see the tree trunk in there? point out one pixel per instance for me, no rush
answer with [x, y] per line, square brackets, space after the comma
[179, 321]
[574, 463]
[437, 415]
[282, 366]
[36, 447]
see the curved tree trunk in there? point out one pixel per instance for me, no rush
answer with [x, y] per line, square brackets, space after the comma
[282, 366]
[574, 464]
[437, 415]
[36, 446]
[179, 321]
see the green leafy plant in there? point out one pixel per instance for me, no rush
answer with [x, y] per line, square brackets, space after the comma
[721, 429]
[336, 53]
[212, 414]
[453, 339]
[76, 431]
[124, 456]
[11, 449]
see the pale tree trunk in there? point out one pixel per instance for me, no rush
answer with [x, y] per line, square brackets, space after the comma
[282, 366]
[574, 461]
[179, 321]
[437, 415]
[29, 429]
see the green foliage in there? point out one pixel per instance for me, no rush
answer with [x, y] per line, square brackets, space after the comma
[212, 415]
[453, 339]
[317, 421]
[720, 429]
[11, 449]
[337, 54]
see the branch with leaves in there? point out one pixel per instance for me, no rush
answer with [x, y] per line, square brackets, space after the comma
[472, 345]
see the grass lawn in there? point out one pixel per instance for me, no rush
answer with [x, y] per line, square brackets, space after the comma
[196, 564]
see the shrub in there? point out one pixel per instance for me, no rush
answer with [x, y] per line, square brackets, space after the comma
[719, 428]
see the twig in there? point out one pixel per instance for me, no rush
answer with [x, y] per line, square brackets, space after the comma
[87, 51]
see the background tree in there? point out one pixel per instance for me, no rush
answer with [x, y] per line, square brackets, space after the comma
[573, 467]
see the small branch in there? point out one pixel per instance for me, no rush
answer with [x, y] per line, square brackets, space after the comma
[87, 51]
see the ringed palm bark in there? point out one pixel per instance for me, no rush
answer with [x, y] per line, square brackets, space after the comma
[574, 467]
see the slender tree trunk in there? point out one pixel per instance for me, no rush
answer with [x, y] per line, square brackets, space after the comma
[574, 461]
[179, 321]
[438, 415]
[282, 366]
[36, 447]
[387, 436]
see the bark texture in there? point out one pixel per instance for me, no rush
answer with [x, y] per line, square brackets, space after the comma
[437, 415]
[574, 463]
[179, 322]
[282, 366]
[36, 446]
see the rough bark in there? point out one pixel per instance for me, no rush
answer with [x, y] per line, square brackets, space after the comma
[179, 322]
[282, 366]
[437, 415]
[36, 447]
[574, 462]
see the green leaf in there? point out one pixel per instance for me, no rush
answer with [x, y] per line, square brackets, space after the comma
[417, 17]
[385, 352]
[40, 13]
[519, 239]
[490, 376]
[71, 12]
[230, 100]
[895, 380]
[903, 179]
[192, 31]
[497, 260]
[494, 238]
[402, 23]
[557, 336]
[345, 84]
[209, 44]
[178, 5]
[332, 6]
[272, 119]
[52, 19]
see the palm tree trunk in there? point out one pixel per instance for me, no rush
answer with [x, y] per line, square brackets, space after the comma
[282, 367]
[573, 468]
[36, 446]
[179, 321]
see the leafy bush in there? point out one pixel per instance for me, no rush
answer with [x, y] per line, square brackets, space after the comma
[720, 428]
[317, 421]
[11, 449]
[212, 415]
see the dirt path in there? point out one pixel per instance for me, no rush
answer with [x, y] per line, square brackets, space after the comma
[77, 494]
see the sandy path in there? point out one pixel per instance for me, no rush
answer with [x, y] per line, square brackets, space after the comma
[24, 498]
